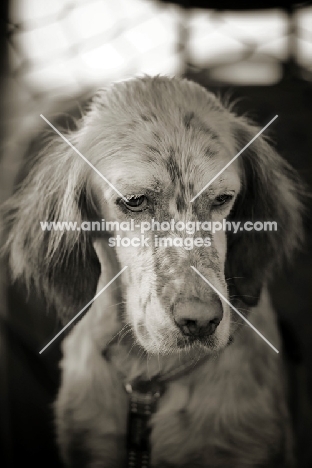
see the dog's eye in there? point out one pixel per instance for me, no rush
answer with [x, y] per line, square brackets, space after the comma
[135, 202]
[222, 199]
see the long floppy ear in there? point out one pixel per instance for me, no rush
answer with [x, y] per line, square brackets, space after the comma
[61, 264]
[270, 192]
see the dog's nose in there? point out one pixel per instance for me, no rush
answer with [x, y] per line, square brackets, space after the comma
[198, 319]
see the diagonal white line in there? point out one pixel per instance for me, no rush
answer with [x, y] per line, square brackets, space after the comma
[235, 310]
[82, 156]
[82, 310]
[232, 160]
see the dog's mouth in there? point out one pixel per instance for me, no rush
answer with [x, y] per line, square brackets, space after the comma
[173, 341]
[209, 342]
[192, 341]
[202, 344]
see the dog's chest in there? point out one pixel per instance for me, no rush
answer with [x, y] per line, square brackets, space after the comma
[201, 419]
[176, 429]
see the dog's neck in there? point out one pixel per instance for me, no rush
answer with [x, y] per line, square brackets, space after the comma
[132, 362]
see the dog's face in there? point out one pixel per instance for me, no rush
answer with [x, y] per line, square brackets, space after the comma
[166, 150]
[159, 141]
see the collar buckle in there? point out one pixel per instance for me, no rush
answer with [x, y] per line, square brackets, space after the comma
[144, 395]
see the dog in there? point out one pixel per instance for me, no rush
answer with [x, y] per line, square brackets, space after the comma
[159, 141]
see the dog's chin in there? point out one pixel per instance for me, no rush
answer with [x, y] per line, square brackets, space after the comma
[208, 345]
[187, 342]
[205, 345]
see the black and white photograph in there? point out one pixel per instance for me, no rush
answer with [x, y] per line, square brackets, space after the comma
[155, 248]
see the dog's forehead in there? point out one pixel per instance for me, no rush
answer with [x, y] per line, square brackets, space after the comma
[168, 137]
[161, 111]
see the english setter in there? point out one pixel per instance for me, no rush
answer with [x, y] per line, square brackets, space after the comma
[159, 141]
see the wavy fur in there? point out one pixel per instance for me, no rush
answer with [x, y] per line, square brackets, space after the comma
[166, 137]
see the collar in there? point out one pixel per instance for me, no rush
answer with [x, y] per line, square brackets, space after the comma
[143, 401]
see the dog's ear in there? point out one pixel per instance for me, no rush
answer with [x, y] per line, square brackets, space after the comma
[270, 192]
[61, 264]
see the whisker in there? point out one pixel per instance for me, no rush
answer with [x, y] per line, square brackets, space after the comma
[242, 295]
[123, 336]
[114, 305]
[115, 336]
[132, 346]
[147, 367]
[235, 277]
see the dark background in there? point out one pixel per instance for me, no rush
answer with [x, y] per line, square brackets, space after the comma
[29, 381]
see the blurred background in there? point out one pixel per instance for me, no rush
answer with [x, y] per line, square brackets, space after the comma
[54, 54]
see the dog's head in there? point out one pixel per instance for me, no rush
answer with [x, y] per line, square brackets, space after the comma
[159, 141]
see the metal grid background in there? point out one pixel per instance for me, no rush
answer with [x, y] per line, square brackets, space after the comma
[63, 46]
[60, 50]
